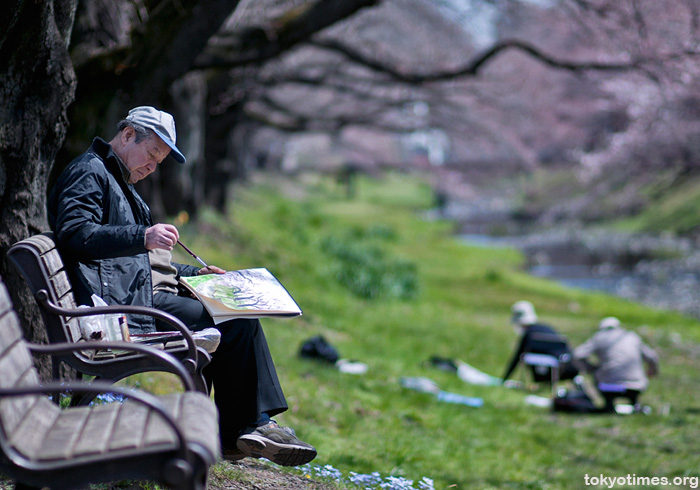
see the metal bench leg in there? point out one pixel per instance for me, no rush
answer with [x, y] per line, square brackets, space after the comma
[555, 381]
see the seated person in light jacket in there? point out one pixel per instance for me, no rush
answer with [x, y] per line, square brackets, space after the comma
[621, 356]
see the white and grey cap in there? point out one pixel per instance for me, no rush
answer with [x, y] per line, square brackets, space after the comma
[609, 322]
[161, 123]
[523, 313]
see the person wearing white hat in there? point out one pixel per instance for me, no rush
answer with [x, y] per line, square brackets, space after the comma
[538, 338]
[112, 248]
[621, 358]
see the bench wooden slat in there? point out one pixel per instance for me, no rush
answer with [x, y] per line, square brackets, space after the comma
[12, 409]
[67, 300]
[8, 336]
[98, 430]
[43, 243]
[60, 283]
[74, 330]
[157, 431]
[52, 261]
[129, 427]
[5, 304]
[29, 435]
[15, 365]
[194, 415]
[60, 439]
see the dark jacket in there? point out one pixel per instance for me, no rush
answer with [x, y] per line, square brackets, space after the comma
[534, 340]
[100, 226]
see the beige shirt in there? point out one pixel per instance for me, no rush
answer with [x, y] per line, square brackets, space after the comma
[163, 272]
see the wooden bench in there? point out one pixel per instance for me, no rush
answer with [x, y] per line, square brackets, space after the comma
[41, 265]
[170, 439]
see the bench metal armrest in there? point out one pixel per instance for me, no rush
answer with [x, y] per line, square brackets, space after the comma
[98, 387]
[190, 361]
[161, 356]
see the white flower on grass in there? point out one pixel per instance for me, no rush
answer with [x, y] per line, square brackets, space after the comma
[372, 481]
[426, 484]
[328, 471]
[397, 483]
[367, 481]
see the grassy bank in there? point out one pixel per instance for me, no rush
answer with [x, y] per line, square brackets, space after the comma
[390, 289]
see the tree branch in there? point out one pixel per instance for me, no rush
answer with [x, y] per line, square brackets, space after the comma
[475, 65]
[261, 43]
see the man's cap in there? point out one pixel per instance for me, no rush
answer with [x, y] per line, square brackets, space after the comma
[523, 313]
[609, 322]
[161, 123]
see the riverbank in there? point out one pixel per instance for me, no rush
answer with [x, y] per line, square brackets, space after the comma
[661, 272]
[658, 270]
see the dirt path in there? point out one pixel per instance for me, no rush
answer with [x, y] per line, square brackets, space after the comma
[250, 474]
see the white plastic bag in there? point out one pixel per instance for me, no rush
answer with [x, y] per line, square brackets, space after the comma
[472, 375]
[90, 326]
[209, 339]
[351, 367]
[103, 327]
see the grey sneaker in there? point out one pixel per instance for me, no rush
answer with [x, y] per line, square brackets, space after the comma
[278, 444]
[234, 454]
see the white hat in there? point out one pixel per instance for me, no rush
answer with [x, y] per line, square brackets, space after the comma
[609, 322]
[523, 313]
[161, 123]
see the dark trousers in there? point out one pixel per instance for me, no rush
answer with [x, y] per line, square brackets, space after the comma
[241, 372]
[610, 396]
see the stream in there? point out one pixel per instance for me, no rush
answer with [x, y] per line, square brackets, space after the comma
[659, 271]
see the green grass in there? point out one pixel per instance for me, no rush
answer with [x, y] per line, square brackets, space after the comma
[672, 211]
[460, 309]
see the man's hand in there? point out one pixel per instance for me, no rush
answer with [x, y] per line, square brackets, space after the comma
[161, 236]
[210, 269]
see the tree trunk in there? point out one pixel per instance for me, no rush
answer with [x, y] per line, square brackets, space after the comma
[220, 164]
[183, 185]
[37, 83]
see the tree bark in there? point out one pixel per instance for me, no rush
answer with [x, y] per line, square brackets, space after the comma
[37, 83]
[262, 43]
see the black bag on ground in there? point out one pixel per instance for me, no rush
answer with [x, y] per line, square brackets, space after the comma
[318, 348]
[443, 363]
[573, 401]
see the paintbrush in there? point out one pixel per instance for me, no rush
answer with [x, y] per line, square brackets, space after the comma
[192, 254]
